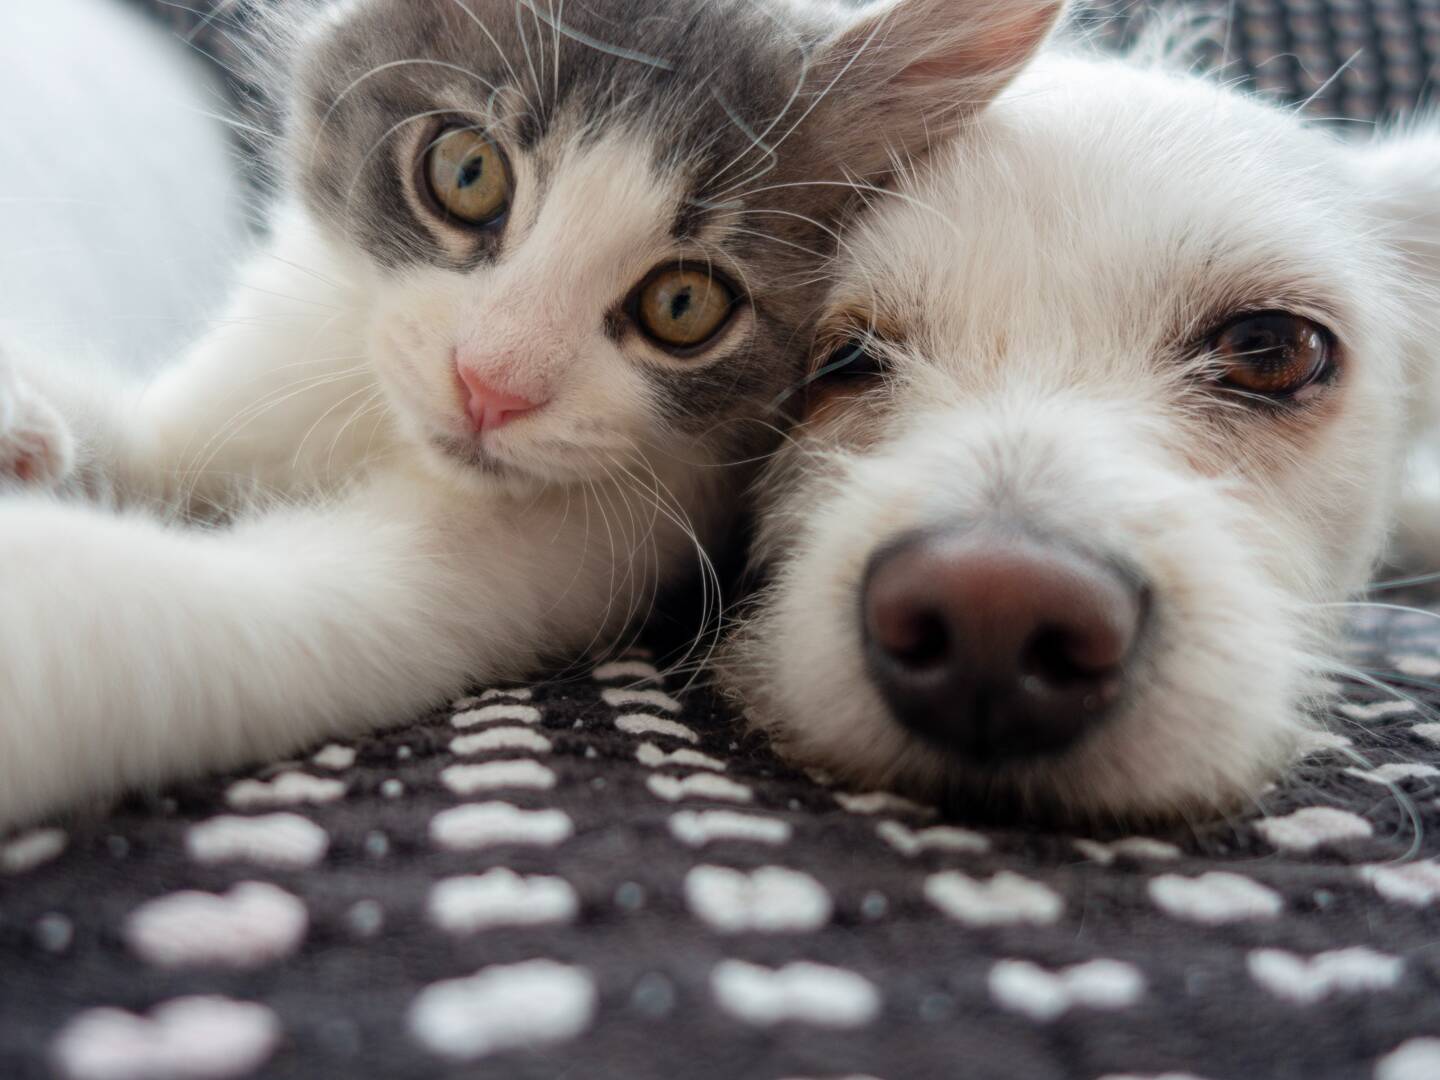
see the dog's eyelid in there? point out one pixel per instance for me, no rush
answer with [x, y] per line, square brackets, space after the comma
[1200, 327]
[854, 326]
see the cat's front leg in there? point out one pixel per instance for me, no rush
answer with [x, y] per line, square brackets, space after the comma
[134, 653]
[37, 448]
[276, 398]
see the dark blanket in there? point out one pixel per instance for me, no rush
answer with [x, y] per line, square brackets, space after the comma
[599, 876]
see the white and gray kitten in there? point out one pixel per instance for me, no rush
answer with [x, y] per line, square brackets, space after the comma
[529, 295]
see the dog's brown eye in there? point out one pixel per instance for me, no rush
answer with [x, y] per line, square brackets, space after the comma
[846, 370]
[1272, 353]
[468, 176]
[681, 308]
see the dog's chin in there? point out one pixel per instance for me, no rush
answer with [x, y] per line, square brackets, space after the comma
[1088, 788]
[1169, 756]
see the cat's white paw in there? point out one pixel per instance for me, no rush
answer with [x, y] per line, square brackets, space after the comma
[36, 446]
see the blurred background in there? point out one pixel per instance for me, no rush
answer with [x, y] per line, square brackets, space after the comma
[121, 210]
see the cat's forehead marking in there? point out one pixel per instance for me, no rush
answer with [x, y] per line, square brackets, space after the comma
[603, 199]
[721, 70]
[389, 69]
[736, 170]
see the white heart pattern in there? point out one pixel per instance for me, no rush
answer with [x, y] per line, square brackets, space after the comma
[651, 755]
[909, 841]
[489, 714]
[193, 1038]
[31, 849]
[501, 738]
[1007, 899]
[645, 724]
[503, 1007]
[270, 839]
[882, 802]
[1131, 847]
[493, 775]
[1418, 1059]
[800, 992]
[1396, 771]
[698, 786]
[700, 827]
[1215, 898]
[1416, 884]
[501, 897]
[771, 899]
[1430, 731]
[335, 757]
[1312, 827]
[1306, 981]
[1027, 988]
[638, 670]
[287, 789]
[629, 699]
[254, 923]
[480, 825]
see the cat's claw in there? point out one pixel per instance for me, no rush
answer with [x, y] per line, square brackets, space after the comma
[36, 446]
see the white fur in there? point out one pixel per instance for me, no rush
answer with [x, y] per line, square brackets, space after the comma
[1036, 274]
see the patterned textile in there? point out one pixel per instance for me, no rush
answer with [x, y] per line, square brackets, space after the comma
[599, 876]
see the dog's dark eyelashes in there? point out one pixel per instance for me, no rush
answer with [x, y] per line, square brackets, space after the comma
[855, 361]
[1271, 354]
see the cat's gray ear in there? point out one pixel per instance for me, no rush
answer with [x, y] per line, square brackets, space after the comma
[910, 71]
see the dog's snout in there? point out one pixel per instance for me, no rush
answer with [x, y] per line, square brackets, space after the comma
[998, 645]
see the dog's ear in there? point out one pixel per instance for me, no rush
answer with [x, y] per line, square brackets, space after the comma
[1400, 179]
[902, 74]
[1400, 183]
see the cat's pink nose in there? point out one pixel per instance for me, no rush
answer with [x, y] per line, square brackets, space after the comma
[489, 407]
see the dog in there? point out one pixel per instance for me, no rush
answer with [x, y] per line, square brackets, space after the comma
[1108, 412]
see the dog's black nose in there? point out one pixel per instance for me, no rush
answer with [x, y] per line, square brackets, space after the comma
[998, 646]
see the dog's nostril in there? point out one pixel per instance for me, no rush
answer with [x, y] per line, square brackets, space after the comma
[1062, 656]
[1054, 657]
[998, 647]
[915, 637]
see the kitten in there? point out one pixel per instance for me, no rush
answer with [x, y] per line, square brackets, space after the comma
[533, 287]
[1112, 414]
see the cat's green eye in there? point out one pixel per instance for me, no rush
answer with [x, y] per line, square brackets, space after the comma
[468, 176]
[681, 308]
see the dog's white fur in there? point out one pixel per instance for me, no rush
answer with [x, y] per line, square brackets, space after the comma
[1038, 284]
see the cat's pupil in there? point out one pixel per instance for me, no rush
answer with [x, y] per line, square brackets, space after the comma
[471, 171]
[680, 304]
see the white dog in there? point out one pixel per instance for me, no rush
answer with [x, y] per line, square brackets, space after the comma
[1108, 411]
